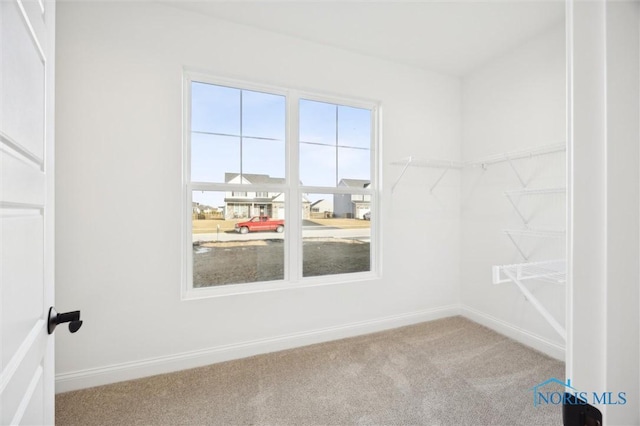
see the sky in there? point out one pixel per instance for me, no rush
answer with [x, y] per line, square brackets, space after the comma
[334, 139]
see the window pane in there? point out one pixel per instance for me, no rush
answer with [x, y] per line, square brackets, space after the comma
[334, 136]
[354, 163]
[213, 156]
[336, 234]
[222, 252]
[263, 115]
[317, 122]
[317, 165]
[354, 127]
[215, 109]
[264, 157]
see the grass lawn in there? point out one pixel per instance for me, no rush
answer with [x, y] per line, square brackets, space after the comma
[251, 261]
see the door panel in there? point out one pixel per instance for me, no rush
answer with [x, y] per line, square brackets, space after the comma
[34, 9]
[23, 182]
[33, 409]
[26, 211]
[23, 81]
[22, 275]
[26, 367]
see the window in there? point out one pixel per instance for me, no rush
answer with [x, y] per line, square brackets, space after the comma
[250, 152]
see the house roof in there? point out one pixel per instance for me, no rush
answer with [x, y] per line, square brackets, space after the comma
[253, 178]
[355, 183]
[321, 201]
[195, 204]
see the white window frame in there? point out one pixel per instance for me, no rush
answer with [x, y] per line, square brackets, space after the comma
[293, 194]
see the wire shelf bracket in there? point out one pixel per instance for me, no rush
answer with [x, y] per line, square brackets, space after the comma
[431, 163]
[518, 175]
[550, 271]
[525, 192]
[530, 233]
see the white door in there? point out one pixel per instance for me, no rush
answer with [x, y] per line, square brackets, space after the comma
[26, 211]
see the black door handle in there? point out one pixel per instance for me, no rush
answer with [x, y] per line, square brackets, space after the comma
[73, 318]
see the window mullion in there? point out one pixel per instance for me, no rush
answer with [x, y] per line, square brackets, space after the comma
[337, 160]
[337, 190]
[293, 210]
[208, 186]
[241, 138]
[376, 185]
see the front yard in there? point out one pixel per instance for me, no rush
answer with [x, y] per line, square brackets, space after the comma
[219, 263]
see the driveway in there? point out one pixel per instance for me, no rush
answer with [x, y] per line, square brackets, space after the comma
[307, 224]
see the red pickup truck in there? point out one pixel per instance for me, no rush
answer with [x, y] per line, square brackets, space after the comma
[260, 223]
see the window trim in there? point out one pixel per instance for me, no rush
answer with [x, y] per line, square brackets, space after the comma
[293, 240]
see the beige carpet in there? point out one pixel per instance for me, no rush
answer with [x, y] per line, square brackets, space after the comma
[445, 372]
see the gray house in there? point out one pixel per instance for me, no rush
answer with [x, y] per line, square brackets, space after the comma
[352, 205]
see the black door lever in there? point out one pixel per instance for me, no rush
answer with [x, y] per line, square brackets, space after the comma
[73, 318]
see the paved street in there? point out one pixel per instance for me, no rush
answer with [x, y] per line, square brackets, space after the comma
[362, 234]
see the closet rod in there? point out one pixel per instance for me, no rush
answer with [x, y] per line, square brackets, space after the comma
[427, 162]
[515, 155]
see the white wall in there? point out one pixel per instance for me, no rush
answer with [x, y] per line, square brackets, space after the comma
[603, 346]
[514, 102]
[119, 70]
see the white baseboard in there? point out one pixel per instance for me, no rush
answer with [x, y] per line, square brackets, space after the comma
[516, 333]
[82, 379]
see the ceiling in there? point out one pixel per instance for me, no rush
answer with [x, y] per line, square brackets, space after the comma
[452, 37]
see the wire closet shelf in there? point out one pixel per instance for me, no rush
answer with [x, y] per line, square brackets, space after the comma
[483, 162]
[551, 271]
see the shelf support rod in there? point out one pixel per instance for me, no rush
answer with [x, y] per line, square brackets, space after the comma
[536, 304]
[515, 207]
[439, 179]
[406, 166]
[524, 184]
[524, 256]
